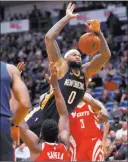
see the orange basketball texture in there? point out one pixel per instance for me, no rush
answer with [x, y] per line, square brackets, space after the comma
[89, 43]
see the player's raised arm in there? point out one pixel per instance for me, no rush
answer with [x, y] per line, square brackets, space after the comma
[63, 123]
[29, 137]
[99, 60]
[97, 107]
[52, 47]
[21, 94]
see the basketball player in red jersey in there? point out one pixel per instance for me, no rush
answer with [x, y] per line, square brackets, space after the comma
[87, 139]
[54, 139]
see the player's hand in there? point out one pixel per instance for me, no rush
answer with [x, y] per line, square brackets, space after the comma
[102, 116]
[69, 11]
[104, 145]
[53, 69]
[21, 66]
[53, 72]
[15, 132]
[93, 25]
[52, 79]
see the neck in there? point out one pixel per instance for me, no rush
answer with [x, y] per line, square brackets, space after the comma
[76, 70]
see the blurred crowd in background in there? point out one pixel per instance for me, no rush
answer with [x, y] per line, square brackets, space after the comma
[81, 6]
[109, 85]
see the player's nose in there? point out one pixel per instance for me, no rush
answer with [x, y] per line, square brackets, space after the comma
[78, 58]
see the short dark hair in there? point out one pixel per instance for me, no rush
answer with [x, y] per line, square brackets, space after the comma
[49, 130]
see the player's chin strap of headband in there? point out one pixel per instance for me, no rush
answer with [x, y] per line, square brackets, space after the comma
[71, 52]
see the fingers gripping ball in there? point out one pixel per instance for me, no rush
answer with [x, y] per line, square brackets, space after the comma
[89, 43]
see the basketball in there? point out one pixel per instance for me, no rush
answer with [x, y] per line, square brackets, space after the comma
[89, 43]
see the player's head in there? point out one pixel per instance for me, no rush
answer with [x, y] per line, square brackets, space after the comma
[73, 58]
[49, 130]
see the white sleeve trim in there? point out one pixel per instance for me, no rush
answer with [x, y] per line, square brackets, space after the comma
[90, 109]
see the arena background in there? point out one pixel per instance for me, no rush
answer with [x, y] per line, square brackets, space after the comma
[23, 27]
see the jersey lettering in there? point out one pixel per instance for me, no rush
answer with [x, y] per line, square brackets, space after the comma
[55, 155]
[74, 83]
[84, 113]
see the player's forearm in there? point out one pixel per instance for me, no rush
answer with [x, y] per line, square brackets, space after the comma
[60, 103]
[95, 104]
[23, 132]
[21, 112]
[104, 50]
[56, 29]
[23, 126]
[106, 131]
[54, 82]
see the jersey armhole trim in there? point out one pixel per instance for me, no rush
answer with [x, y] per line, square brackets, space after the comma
[64, 146]
[43, 146]
[90, 109]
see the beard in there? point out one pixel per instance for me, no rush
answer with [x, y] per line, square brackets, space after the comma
[74, 65]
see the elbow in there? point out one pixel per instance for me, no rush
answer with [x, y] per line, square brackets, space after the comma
[25, 105]
[48, 37]
[108, 56]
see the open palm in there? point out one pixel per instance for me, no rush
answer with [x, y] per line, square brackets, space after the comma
[69, 11]
[21, 66]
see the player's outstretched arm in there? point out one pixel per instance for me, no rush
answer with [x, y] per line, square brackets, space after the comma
[63, 123]
[95, 104]
[29, 137]
[51, 44]
[106, 128]
[99, 60]
[21, 94]
[97, 107]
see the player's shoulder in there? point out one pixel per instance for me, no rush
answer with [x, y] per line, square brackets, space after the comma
[62, 146]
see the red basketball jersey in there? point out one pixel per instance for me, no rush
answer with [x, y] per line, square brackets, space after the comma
[84, 123]
[53, 151]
